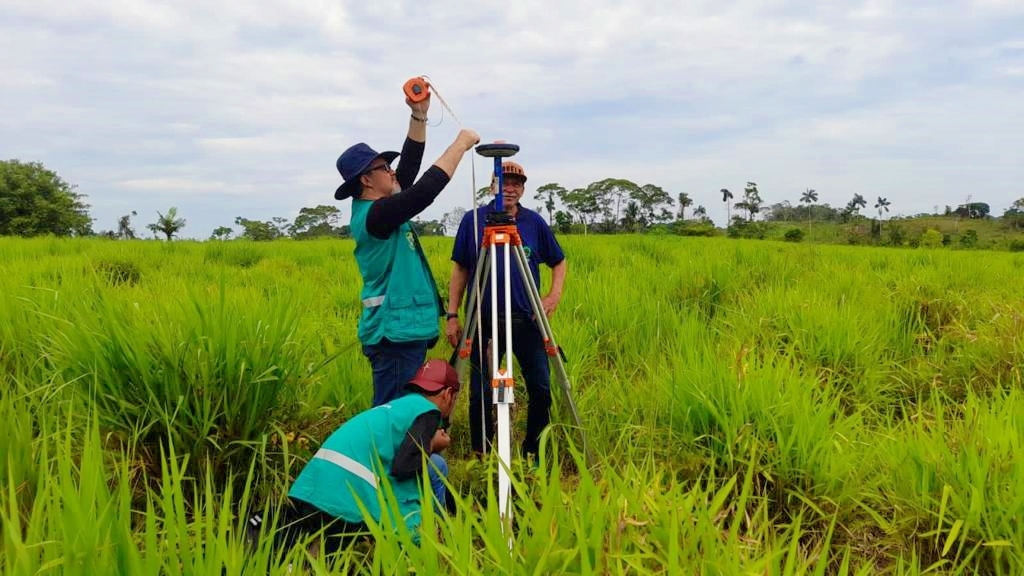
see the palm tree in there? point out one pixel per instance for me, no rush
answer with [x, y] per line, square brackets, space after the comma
[881, 204]
[684, 201]
[809, 197]
[726, 196]
[168, 224]
[854, 205]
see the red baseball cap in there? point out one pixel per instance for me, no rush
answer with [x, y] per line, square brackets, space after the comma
[436, 375]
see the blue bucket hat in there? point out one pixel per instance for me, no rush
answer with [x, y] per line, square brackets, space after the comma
[353, 162]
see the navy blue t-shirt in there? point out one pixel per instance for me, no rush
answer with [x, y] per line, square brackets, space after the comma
[538, 242]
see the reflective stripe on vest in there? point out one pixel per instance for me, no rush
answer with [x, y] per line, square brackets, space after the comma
[373, 301]
[346, 463]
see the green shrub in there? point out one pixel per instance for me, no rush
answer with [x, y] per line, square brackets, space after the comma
[969, 239]
[932, 238]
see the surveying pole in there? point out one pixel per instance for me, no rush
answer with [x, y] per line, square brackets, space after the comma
[501, 236]
[499, 231]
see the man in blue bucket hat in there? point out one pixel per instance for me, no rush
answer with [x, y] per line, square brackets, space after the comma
[401, 310]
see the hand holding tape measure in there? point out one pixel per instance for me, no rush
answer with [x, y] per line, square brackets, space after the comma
[418, 90]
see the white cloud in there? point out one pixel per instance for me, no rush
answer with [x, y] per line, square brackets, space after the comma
[223, 108]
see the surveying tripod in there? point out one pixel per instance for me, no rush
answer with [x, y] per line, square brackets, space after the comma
[501, 236]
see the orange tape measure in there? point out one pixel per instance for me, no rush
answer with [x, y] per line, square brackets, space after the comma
[416, 89]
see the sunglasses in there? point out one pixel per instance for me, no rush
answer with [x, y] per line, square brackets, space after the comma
[385, 167]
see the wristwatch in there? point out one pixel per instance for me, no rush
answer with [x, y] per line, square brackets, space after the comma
[452, 315]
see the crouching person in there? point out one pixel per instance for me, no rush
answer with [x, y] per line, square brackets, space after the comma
[384, 444]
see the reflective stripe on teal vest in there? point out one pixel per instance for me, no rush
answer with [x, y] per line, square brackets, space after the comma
[399, 295]
[355, 461]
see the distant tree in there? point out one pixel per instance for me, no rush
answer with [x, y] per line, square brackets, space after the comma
[700, 213]
[652, 202]
[546, 195]
[853, 206]
[282, 225]
[452, 219]
[726, 196]
[563, 221]
[684, 202]
[167, 224]
[881, 204]
[316, 222]
[631, 220]
[124, 227]
[1014, 215]
[751, 201]
[609, 196]
[36, 201]
[583, 205]
[810, 196]
[876, 229]
[973, 210]
[428, 227]
[221, 233]
[256, 230]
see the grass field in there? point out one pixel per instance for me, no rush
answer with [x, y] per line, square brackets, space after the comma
[753, 407]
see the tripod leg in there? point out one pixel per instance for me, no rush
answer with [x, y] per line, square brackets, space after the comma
[466, 346]
[472, 312]
[561, 375]
[502, 383]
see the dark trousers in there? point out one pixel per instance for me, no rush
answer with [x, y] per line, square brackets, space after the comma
[528, 349]
[394, 364]
[300, 520]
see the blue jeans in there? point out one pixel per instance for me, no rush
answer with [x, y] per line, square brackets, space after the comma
[437, 469]
[528, 348]
[394, 364]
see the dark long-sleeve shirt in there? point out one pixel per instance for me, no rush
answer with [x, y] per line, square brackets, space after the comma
[387, 214]
[408, 460]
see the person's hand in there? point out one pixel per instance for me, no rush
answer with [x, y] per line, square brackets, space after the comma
[550, 303]
[452, 330]
[419, 109]
[440, 441]
[467, 138]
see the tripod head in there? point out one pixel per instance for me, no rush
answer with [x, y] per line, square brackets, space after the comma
[498, 150]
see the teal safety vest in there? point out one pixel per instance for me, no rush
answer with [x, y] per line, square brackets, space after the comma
[399, 295]
[354, 463]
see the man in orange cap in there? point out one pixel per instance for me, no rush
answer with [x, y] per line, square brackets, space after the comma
[541, 247]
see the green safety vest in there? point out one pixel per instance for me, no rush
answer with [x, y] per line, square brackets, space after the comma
[399, 295]
[352, 465]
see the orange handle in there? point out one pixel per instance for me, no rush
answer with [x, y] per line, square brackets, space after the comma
[416, 89]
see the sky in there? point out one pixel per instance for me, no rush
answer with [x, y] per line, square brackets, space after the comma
[227, 109]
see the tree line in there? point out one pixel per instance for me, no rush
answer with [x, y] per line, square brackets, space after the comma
[35, 200]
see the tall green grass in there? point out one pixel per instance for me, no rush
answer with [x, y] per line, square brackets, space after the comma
[753, 407]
